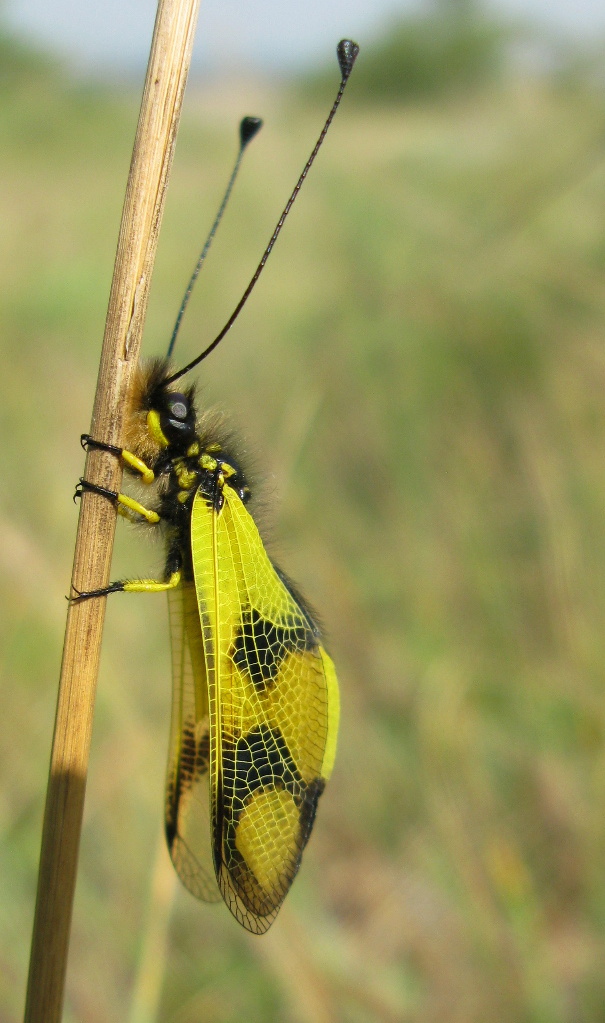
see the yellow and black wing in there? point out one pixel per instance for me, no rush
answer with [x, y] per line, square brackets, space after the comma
[187, 791]
[273, 708]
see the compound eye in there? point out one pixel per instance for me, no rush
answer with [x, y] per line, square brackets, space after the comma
[178, 406]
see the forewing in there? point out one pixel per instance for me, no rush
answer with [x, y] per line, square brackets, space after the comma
[187, 792]
[274, 711]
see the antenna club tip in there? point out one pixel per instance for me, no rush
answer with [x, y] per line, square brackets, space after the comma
[249, 127]
[346, 51]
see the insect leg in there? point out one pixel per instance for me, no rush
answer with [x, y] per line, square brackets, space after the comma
[172, 578]
[129, 586]
[132, 461]
[124, 503]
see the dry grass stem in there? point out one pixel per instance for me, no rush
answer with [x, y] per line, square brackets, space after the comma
[143, 207]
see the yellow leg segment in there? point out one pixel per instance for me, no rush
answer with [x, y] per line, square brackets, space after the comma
[130, 504]
[152, 585]
[147, 474]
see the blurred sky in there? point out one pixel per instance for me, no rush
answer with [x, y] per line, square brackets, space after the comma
[270, 34]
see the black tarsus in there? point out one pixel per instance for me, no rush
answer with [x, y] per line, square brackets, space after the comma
[88, 442]
[82, 595]
[346, 52]
[85, 485]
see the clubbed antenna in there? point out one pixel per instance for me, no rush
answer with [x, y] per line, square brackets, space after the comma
[248, 128]
[346, 52]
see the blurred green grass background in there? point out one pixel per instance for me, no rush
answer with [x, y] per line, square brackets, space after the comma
[420, 378]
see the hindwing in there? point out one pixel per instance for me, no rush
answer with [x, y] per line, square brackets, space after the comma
[187, 792]
[273, 711]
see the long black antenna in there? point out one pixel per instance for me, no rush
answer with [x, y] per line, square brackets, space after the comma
[248, 128]
[346, 52]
